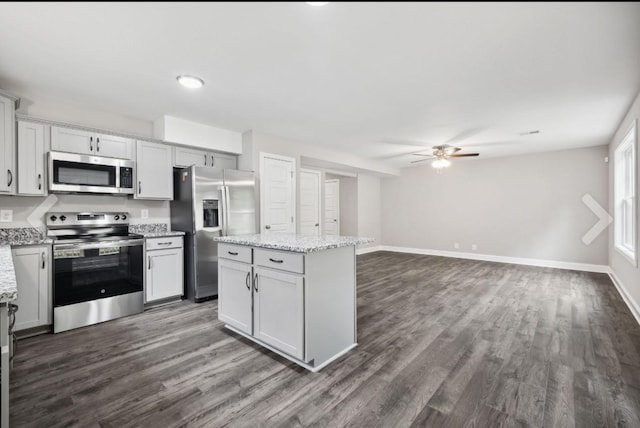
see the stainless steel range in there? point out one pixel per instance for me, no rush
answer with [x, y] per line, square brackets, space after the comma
[97, 269]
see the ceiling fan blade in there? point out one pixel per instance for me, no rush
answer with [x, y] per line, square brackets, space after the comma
[463, 155]
[420, 154]
[420, 160]
[451, 150]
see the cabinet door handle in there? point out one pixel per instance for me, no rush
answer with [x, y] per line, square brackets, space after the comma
[246, 281]
[39, 181]
[43, 259]
[205, 159]
[9, 178]
[98, 144]
[212, 161]
[139, 186]
[149, 267]
[232, 253]
[91, 143]
[255, 283]
[275, 261]
[164, 243]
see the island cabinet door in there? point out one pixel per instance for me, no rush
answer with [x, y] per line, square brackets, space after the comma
[235, 284]
[278, 312]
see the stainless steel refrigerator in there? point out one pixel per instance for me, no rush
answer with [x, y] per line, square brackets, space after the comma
[210, 202]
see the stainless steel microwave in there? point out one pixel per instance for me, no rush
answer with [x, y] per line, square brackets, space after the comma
[74, 173]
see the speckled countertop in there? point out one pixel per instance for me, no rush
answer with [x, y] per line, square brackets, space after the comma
[295, 243]
[162, 234]
[8, 288]
[153, 230]
[23, 236]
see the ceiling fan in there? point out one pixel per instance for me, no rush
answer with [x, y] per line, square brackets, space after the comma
[441, 155]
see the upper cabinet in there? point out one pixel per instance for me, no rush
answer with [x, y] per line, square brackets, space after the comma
[8, 177]
[90, 143]
[154, 171]
[33, 144]
[184, 157]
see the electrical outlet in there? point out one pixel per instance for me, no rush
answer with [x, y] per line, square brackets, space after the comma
[474, 247]
[144, 213]
[6, 216]
[456, 245]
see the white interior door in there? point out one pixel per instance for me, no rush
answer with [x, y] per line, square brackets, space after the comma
[332, 207]
[309, 202]
[277, 204]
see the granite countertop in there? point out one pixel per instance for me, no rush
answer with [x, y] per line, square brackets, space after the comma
[162, 234]
[8, 287]
[295, 243]
[23, 236]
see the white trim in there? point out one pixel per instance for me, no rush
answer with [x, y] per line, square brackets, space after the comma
[586, 267]
[294, 191]
[631, 304]
[368, 250]
[289, 357]
[629, 141]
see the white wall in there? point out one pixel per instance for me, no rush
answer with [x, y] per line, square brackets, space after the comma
[369, 209]
[522, 206]
[624, 272]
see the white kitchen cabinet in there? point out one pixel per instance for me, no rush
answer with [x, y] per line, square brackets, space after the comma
[278, 310]
[33, 144]
[154, 171]
[184, 157]
[165, 268]
[8, 176]
[300, 305]
[235, 293]
[33, 278]
[90, 143]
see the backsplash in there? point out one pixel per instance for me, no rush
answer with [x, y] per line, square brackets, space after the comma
[16, 235]
[148, 228]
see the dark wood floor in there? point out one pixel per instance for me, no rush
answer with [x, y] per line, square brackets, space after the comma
[442, 342]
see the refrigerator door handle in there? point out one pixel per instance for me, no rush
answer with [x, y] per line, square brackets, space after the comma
[225, 205]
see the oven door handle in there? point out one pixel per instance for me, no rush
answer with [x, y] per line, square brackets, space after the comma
[93, 245]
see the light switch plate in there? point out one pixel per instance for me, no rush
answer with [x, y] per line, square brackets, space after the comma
[6, 216]
[144, 213]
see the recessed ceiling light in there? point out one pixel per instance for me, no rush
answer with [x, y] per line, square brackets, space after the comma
[190, 82]
[317, 3]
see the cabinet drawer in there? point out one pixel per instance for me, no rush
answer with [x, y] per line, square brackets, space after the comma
[292, 262]
[239, 253]
[164, 243]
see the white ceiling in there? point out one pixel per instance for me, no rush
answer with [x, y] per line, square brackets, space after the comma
[375, 79]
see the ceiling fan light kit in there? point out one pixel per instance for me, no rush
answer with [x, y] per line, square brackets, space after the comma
[442, 154]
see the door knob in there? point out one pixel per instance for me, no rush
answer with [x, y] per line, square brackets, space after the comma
[267, 227]
[317, 224]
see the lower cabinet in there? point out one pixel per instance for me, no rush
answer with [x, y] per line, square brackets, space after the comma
[164, 276]
[235, 291]
[33, 278]
[278, 310]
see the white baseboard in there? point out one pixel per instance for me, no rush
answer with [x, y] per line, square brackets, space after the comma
[368, 250]
[586, 267]
[631, 304]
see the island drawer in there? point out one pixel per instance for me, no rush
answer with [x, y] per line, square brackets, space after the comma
[239, 253]
[292, 262]
[164, 243]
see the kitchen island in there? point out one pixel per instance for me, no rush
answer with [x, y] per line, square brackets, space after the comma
[295, 295]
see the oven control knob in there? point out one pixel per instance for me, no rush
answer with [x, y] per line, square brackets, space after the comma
[63, 218]
[53, 218]
[116, 217]
[124, 217]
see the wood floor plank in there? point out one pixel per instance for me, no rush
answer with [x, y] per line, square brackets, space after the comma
[442, 342]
